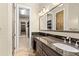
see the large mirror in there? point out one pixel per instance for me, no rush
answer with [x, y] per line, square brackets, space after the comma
[64, 17]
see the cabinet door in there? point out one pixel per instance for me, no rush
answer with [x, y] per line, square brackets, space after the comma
[44, 50]
[38, 48]
[49, 51]
[43, 53]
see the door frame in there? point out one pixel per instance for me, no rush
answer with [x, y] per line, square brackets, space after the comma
[17, 33]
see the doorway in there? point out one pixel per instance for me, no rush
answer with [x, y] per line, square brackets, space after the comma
[22, 28]
[24, 21]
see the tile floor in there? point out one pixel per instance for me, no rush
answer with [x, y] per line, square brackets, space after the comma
[23, 47]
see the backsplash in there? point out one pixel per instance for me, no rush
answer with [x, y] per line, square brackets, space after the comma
[70, 34]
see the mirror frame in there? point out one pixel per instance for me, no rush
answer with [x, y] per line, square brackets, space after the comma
[55, 30]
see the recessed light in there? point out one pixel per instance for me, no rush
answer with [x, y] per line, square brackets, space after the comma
[23, 12]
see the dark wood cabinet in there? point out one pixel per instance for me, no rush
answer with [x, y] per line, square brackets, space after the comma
[39, 48]
[43, 50]
[49, 51]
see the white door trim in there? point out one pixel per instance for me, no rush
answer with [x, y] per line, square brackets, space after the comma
[17, 24]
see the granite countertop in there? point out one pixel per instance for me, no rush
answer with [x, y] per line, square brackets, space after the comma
[49, 41]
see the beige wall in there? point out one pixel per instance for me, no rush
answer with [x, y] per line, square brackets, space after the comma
[73, 14]
[3, 29]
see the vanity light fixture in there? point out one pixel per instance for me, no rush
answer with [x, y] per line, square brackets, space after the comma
[60, 5]
[43, 11]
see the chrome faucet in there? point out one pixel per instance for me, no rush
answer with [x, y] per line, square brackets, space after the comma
[76, 45]
[67, 38]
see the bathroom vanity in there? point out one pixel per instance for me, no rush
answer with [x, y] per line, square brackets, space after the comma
[43, 50]
[53, 46]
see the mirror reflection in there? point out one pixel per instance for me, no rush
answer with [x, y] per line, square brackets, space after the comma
[64, 17]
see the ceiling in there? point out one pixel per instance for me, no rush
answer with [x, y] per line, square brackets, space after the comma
[23, 13]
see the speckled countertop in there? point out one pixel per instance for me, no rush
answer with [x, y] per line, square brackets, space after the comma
[49, 41]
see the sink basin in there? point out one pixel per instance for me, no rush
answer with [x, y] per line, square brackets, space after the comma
[65, 47]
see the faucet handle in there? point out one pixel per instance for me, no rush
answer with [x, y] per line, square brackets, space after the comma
[77, 43]
[64, 39]
[69, 39]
